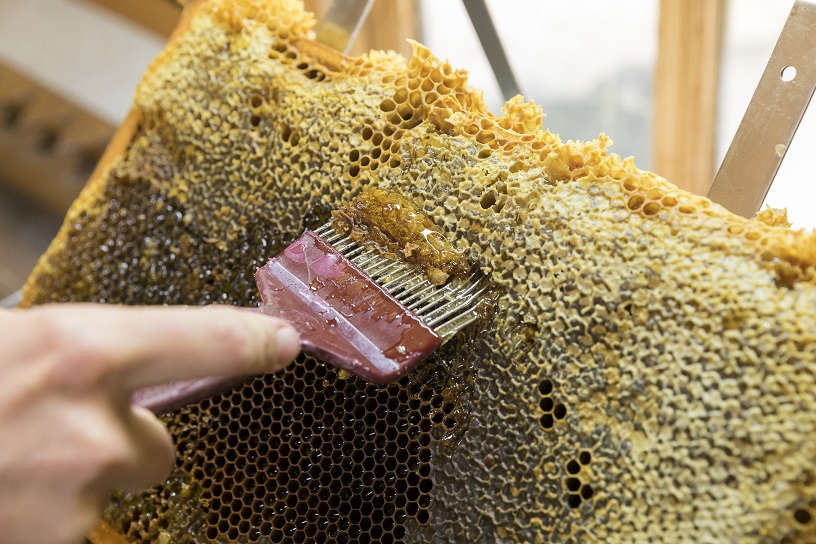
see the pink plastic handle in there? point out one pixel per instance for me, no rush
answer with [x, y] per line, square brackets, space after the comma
[344, 317]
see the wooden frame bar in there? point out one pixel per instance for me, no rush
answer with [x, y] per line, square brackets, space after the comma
[685, 92]
[159, 16]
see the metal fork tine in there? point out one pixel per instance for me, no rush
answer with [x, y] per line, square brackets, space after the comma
[449, 330]
[435, 299]
[452, 305]
[364, 260]
[393, 283]
[404, 288]
[446, 308]
[449, 311]
[470, 286]
[343, 244]
[476, 288]
[388, 275]
[371, 259]
[415, 290]
[426, 301]
[379, 265]
[324, 229]
[328, 233]
[455, 304]
[413, 297]
[438, 296]
[420, 296]
[354, 252]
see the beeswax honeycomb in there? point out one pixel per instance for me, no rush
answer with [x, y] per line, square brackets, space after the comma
[649, 375]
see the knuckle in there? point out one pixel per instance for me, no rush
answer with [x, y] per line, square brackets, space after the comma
[235, 346]
[76, 354]
[52, 324]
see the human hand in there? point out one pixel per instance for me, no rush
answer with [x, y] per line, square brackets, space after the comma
[68, 433]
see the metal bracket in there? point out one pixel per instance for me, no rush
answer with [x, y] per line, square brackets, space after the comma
[339, 27]
[772, 117]
[492, 46]
[12, 301]
[341, 24]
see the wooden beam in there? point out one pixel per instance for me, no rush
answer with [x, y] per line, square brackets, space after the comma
[685, 91]
[158, 16]
[389, 25]
[318, 7]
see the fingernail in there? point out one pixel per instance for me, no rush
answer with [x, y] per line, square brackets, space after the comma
[288, 343]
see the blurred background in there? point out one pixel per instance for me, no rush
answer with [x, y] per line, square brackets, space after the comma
[667, 80]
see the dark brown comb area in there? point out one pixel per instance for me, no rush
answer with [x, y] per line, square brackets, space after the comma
[296, 457]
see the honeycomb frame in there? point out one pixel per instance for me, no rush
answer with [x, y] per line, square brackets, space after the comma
[648, 375]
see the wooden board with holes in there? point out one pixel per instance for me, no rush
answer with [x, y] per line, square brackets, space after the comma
[48, 146]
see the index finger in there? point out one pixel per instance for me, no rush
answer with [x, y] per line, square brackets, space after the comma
[144, 346]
